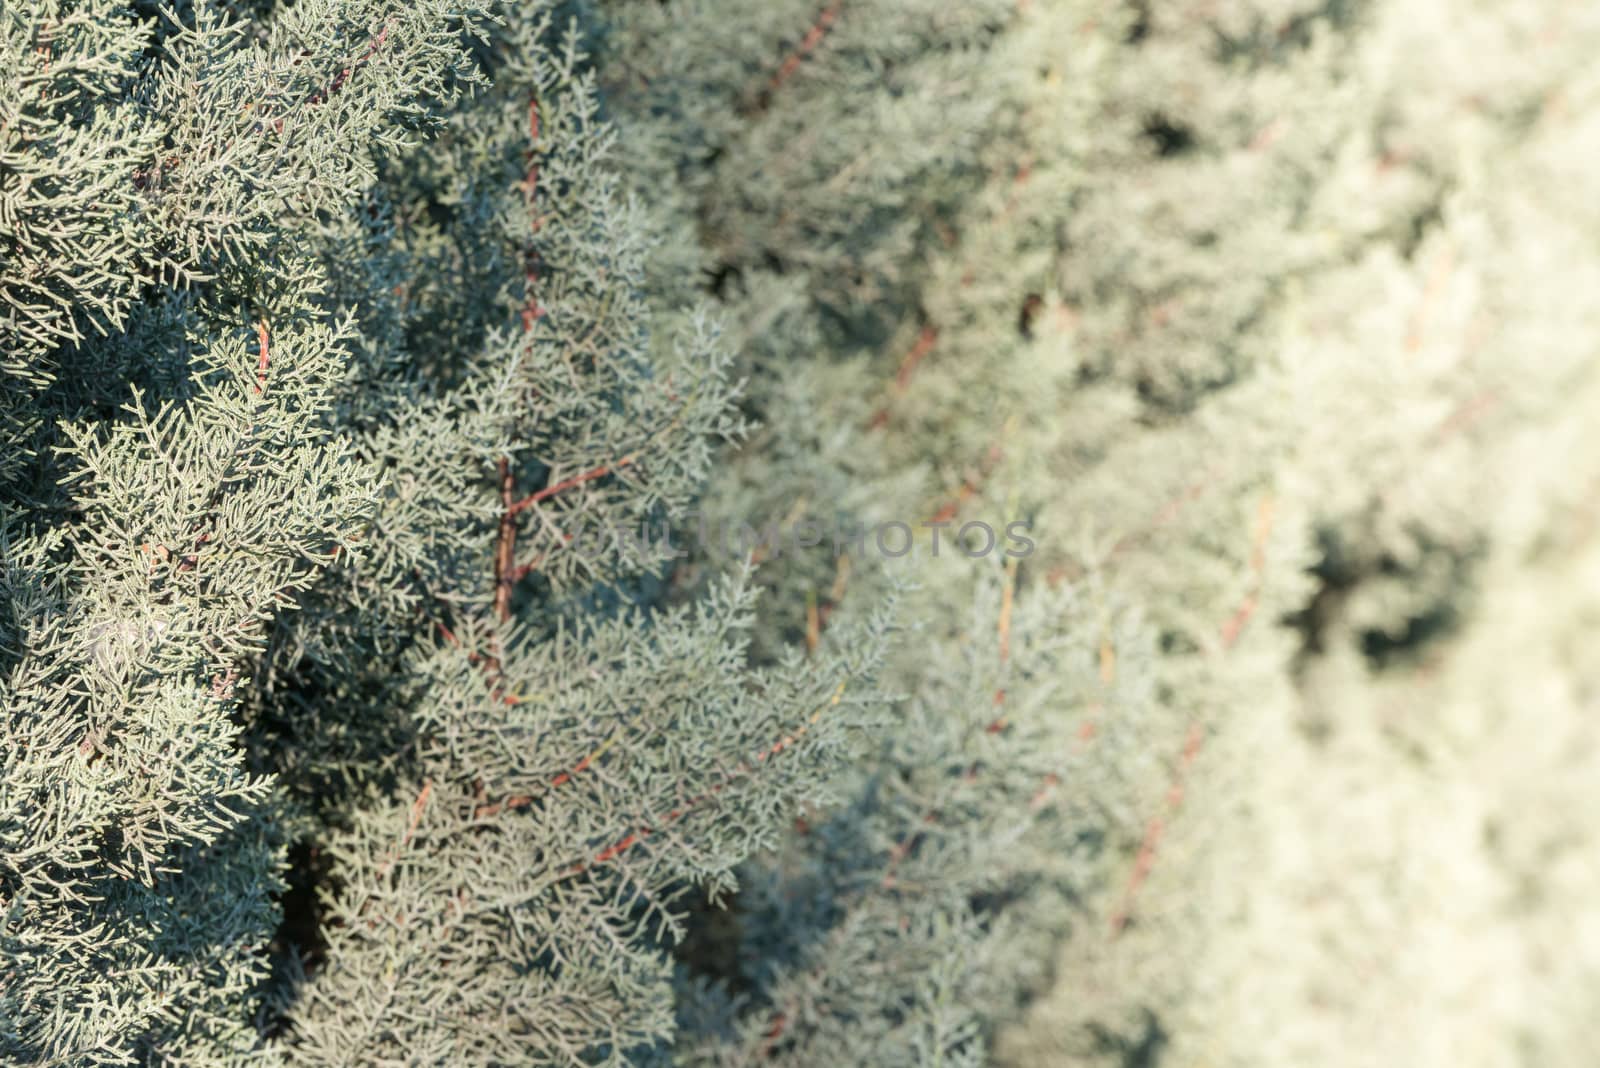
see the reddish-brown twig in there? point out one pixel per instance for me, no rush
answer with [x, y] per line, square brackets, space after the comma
[1258, 562]
[1146, 859]
[411, 827]
[1003, 632]
[969, 488]
[1231, 630]
[924, 344]
[505, 544]
[515, 507]
[261, 359]
[523, 800]
[807, 45]
[506, 572]
[489, 664]
[813, 623]
[339, 80]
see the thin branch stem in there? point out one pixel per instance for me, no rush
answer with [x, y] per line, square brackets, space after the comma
[262, 334]
[1146, 859]
[505, 544]
[808, 44]
[513, 508]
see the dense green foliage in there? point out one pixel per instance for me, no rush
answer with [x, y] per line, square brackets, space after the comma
[791, 531]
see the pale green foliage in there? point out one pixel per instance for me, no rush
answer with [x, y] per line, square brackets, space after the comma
[903, 927]
[338, 339]
[1337, 888]
[1098, 311]
[513, 911]
[194, 518]
[252, 435]
[119, 178]
[889, 929]
[70, 140]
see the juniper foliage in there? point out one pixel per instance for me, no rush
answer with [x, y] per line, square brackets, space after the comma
[1120, 231]
[350, 347]
[292, 472]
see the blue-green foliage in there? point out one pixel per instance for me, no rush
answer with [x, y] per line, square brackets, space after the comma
[299, 419]
[346, 346]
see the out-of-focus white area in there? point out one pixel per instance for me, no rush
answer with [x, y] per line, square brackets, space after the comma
[1387, 863]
